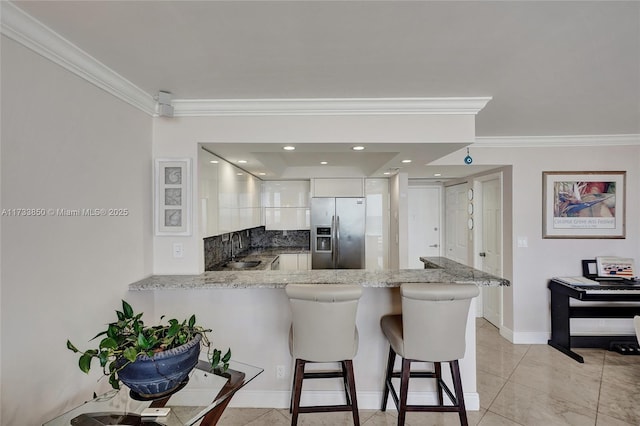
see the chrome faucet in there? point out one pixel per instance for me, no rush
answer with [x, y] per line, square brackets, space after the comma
[233, 258]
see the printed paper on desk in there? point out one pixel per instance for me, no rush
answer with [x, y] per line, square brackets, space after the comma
[615, 267]
[576, 280]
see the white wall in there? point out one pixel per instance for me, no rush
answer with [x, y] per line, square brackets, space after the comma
[526, 309]
[65, 144]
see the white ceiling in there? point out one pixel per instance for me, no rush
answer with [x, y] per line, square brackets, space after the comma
[552, 68]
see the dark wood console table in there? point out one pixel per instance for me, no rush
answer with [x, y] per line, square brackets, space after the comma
[562, 312]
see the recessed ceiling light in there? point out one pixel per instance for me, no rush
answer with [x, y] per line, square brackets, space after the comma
[386, 173]
[323, 162]
[437, 174]
[288, 148]
[214, 161]
[358, 148]
[262, 174]
[406, 161]
[239, 174]
[242, 161]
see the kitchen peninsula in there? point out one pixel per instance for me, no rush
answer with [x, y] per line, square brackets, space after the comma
[249, 312]
[437, 269]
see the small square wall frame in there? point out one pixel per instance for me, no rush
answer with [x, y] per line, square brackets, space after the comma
[172, 196]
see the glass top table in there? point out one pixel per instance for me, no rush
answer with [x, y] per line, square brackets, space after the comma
[204, 397]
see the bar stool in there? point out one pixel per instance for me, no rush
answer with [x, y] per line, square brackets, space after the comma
[431, 329]
[323, 330]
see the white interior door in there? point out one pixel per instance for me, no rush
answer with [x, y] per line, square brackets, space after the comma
[491, 247]
[456, 217]
[424, 224]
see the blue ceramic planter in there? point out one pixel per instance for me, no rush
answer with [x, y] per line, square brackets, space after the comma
[158, 376]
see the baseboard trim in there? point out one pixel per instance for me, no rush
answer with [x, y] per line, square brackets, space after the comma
[525, 338]
[366, 400]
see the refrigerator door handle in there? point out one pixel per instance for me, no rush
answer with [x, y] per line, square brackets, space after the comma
[337, 244]
[333, 241]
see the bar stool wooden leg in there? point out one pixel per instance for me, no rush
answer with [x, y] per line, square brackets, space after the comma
[297, 390]
[437, 367]
[351, 380]
[293, 386]
[387, 379]
[345, 382]
[457, 385]
[404, 391]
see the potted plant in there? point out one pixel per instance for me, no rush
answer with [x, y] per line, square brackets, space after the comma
[152, 361]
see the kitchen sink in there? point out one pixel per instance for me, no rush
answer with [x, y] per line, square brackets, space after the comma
[248, 264]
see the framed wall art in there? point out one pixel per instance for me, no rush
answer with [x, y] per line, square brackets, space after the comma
[583, 204]
[172, 196]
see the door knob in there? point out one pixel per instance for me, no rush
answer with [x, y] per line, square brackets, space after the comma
[482, 254]
[433, 245]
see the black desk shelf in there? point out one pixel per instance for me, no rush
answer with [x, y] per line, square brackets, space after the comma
[562, 312]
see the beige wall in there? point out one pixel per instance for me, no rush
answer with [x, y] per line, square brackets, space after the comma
[65, 144]
[526, 311]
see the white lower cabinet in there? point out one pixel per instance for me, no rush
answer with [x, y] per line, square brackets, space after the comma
[294, 262]
[304, 262]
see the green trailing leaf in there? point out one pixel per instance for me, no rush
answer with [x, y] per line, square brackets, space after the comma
[142, 341]
[192, 321]
[152, 342]
[99, 334]
[103, 356]
[174, 328]
[215, 359]
[85, 362]
[127, 309]
[227, 356]
[113, 381]
[130, 354]
[112, 331]
[71, 347]
[108, 343]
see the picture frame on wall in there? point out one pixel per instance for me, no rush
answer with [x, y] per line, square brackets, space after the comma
[589, 204]
[172, 196]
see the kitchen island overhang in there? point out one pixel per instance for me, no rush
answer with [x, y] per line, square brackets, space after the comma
[250, 314]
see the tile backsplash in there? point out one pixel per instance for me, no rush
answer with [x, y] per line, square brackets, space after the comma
[217, 251]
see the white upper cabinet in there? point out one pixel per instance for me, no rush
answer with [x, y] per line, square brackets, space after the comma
[229, 197]
[208, 193]
[287, 218]
[286, 205]
[286, 193]
[346, 187]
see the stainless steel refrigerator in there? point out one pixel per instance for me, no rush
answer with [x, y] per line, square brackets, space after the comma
[337, 233]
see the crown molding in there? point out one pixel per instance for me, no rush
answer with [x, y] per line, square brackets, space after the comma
[328, 106]
[555, 141]
[31, 33]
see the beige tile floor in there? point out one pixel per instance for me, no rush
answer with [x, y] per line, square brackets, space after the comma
[518, 385]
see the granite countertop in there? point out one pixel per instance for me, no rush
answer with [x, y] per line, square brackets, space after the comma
[439, 270]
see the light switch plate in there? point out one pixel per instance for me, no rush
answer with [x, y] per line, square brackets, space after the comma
[178, 250]
[523, 242]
